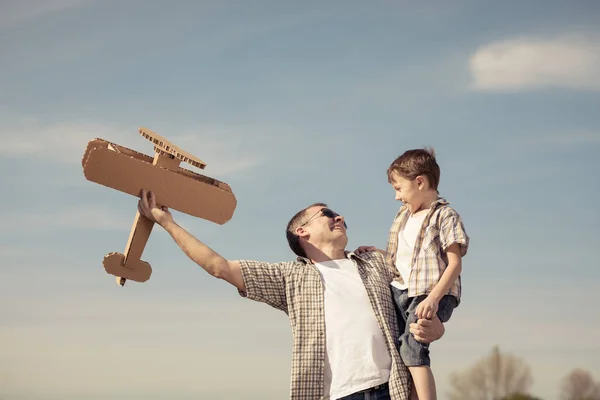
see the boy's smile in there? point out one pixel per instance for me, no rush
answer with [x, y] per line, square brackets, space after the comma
[415, 193]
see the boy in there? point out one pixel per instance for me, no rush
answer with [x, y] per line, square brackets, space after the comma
[426, 243]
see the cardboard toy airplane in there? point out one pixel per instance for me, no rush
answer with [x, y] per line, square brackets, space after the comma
[177, 188]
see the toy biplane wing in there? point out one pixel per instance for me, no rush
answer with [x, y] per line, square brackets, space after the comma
[177, 188]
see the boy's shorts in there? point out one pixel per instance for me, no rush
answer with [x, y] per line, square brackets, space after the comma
[414, 353]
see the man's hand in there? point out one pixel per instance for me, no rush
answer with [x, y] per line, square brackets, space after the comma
[147, 207]
[427, 331]
[427, 308]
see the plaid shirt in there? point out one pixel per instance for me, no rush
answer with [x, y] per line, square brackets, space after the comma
[296, 288]
[441, 228]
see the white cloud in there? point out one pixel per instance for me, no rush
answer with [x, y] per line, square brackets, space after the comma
[87, 217]
[27, 137]
[571, 61]
[225, 149]
[75, 344]
[10, 252]
[573, 139]
[15, 12]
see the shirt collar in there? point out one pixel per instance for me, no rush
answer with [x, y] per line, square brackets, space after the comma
[348, 254]
[439, 202]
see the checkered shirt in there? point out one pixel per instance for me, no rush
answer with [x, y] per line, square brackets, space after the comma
[441, 228]
[296, 288]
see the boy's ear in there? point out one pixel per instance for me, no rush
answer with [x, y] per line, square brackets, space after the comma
[421, 181]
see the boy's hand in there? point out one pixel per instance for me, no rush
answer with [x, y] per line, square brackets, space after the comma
[427, 308]
[365, 249]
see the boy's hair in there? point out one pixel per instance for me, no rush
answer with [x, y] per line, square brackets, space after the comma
[414, 163]
[292, 238]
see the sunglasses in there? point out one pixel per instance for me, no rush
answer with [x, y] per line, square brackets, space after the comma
[326, 212]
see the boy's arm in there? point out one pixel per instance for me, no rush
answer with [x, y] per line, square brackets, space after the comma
[450, 274]
[429, 306]
[201, 254]
[455, 241]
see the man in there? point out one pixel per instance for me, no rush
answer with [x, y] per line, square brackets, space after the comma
[339, 304]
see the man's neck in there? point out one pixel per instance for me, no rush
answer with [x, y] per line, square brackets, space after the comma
[327, 253]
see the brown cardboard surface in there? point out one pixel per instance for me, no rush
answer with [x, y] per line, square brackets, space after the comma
[163, 144]
[182, 190]
[165, 160]
[138, 271]
[138, 237]
[92, 145]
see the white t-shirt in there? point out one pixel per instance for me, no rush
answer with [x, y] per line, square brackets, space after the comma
[357, 357]
[407, 238]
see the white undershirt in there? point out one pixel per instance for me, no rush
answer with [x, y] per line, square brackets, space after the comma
[356, 355]
[407, 238]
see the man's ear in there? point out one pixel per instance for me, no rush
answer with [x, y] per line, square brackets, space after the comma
[301, 232]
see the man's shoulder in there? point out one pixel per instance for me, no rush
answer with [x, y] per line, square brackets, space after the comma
[267, 265]
[374, 258]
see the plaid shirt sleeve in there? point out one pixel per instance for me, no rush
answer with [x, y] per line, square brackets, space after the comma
[265, 283]
[452, 230]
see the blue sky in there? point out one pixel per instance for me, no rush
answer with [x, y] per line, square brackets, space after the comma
[291, 103]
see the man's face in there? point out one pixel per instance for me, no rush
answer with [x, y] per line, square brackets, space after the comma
[321, 222]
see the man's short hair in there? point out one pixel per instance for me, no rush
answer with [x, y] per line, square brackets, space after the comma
[413, 163]
[290, 232]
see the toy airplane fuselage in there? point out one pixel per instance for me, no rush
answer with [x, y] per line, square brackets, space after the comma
[180, 189]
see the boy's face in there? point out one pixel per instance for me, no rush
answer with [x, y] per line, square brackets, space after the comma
[408, 191]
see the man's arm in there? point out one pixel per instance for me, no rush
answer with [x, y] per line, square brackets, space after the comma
[197, 251]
